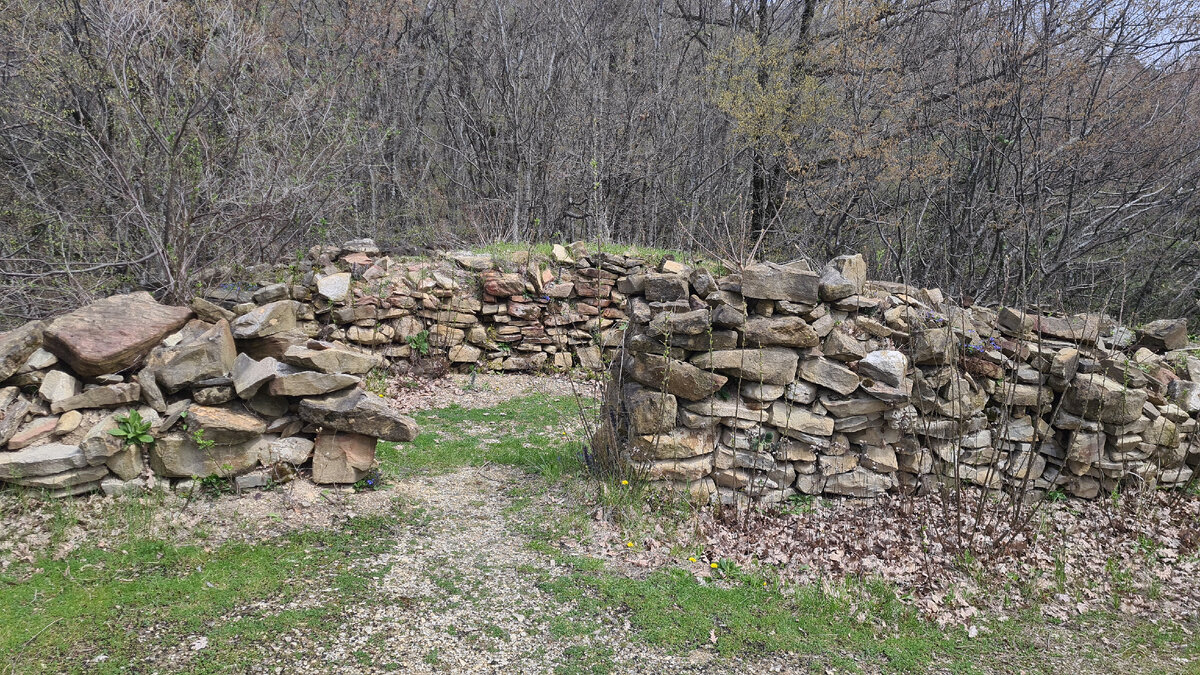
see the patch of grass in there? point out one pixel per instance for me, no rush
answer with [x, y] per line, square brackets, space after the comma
[864, 622]
[526, 432]
[106, 608]
[585, 659]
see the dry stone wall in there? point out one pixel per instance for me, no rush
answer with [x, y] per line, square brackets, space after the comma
[520, 312]
[221, 395]
[781, 380]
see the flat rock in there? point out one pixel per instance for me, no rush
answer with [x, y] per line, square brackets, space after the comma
[225, 426]
[674, 377]
[65, 479]
[176, 455]
[293, 450]
[100, 397]
[860, 482]
[787, 331]
[342, 457]
[17, 345]
[112, 334]
[357, 411]
[271, 318]
[41, 460]
[770, 365]
[1096, 397]
[793, 282]
[309, 383]
[332, 357]
[36, 430]
[798, 419]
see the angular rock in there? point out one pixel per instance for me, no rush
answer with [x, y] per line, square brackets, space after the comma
[665, 288]
[357, 411]
[225, 426]
[674, 377]
[335, 358]
[176, 455]
[100, 397]
[590, 358]
[650, 411]
[793, 282]
[36, 430]
[293, 450]
[886, 366]
[675, 444]
[860, 482]
[342, 457]
[271, 318]
[112, 334]
[932, 345]
[829, 374]
[213, 395]
[17, 345]
[843, 277]
[1185, 394]
[210, 311]
[127, 464]
[502, 285]
[65, 479]
[309, 383]
[769, 365]
[271, 293]
[1094, 396]
[464, 353]
[249, 375]
[334, 287]
[693, 468]
[787, 331]
[695, 322]
[197, 357]
[41, 460]
[57, 385]
[1164, 334]
[802, 420]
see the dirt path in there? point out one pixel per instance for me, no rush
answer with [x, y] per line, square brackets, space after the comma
[462, 595]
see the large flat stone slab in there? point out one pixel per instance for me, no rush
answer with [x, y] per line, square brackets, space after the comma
[357, 411]
[41, 460]
[112, 334]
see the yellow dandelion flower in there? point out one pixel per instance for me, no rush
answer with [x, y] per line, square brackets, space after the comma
[629, 544]
[624, 482]
[691, 560]
[713, 565]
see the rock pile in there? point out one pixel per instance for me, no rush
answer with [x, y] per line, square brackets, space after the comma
[783, 380]
[526, 312]
[222, 396]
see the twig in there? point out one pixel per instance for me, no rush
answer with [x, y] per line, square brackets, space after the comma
[43, 630]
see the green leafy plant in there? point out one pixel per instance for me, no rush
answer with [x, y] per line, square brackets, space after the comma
[133, 430]
[419, 342]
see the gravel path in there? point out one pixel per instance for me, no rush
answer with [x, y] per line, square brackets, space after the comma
[461, 596]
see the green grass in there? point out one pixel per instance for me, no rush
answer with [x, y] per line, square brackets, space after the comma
[119, 603]
[528, 433]
[672, 609]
